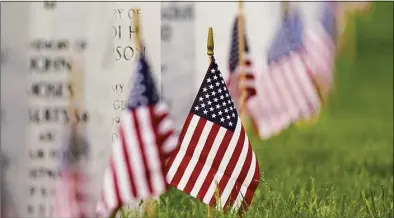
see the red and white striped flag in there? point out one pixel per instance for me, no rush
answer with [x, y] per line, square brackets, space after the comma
[71, 199]
[214, 159]
[136, 169]
[235, 68]
[286, 93]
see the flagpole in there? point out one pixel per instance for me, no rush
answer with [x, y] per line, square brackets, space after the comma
[241, 60]
[137, 25]
[346, 23]
[75, 98]
[285, 8]
[73, 90]
[150, 203]
[210, 52]
[347, 18]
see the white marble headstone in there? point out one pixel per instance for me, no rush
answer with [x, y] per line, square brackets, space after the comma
[57, 33]
[14, 106]
[178, 58]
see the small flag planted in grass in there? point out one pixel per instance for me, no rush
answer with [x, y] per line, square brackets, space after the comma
[241, 82]
[214, 161]
[71, 198]
[320, 47]
[136, 169]
[287, 92]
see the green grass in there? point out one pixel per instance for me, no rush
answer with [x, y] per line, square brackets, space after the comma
[341, 167]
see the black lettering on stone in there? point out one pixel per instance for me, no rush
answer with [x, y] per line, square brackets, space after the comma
[53, 154]
[33, 173]
[127, 53]
[50, 44]
[120, 104]
[80, 45]
[44, 192]
[43, 172]
[47, 136]
[30, 209]
[37, 154]
[32, 190]
[166, 32]
[118, 30]
[44, 64]
[49, 89]
[117, 88]
[177, 13]
[54, 115]
[50, 5]
[51, 173]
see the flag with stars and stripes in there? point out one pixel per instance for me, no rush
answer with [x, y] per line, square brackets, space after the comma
[71, 199]
[236, 70]
[320, 47]
[146, 139]
[286, 93]
[214, 161]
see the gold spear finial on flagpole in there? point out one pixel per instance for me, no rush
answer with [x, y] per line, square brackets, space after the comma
[210, 43]
[137, 26]
[240, 5]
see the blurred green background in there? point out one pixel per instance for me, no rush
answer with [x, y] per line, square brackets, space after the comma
[343, 165]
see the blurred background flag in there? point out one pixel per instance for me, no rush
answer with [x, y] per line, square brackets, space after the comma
[286, 93]
[241, 84]
[70, 200]
[214, 161]
[320, 47]
[146, 138]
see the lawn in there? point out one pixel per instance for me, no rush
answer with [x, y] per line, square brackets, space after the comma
[343, 165]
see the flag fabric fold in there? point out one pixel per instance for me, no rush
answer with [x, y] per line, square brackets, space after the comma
[147, 138]
[236, 70]
[286, 92]
[214, 161]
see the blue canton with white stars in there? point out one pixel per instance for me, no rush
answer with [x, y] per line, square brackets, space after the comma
[213, 101]
[144, 91]
[289, 37]
[234, 53]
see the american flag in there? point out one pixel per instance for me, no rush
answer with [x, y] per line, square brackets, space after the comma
[286, 93]
[320, 47]
[214, 159]
[235, 68]
[136, 169]
[71, 199]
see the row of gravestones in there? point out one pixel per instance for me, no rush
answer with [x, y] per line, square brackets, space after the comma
[171, 41]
